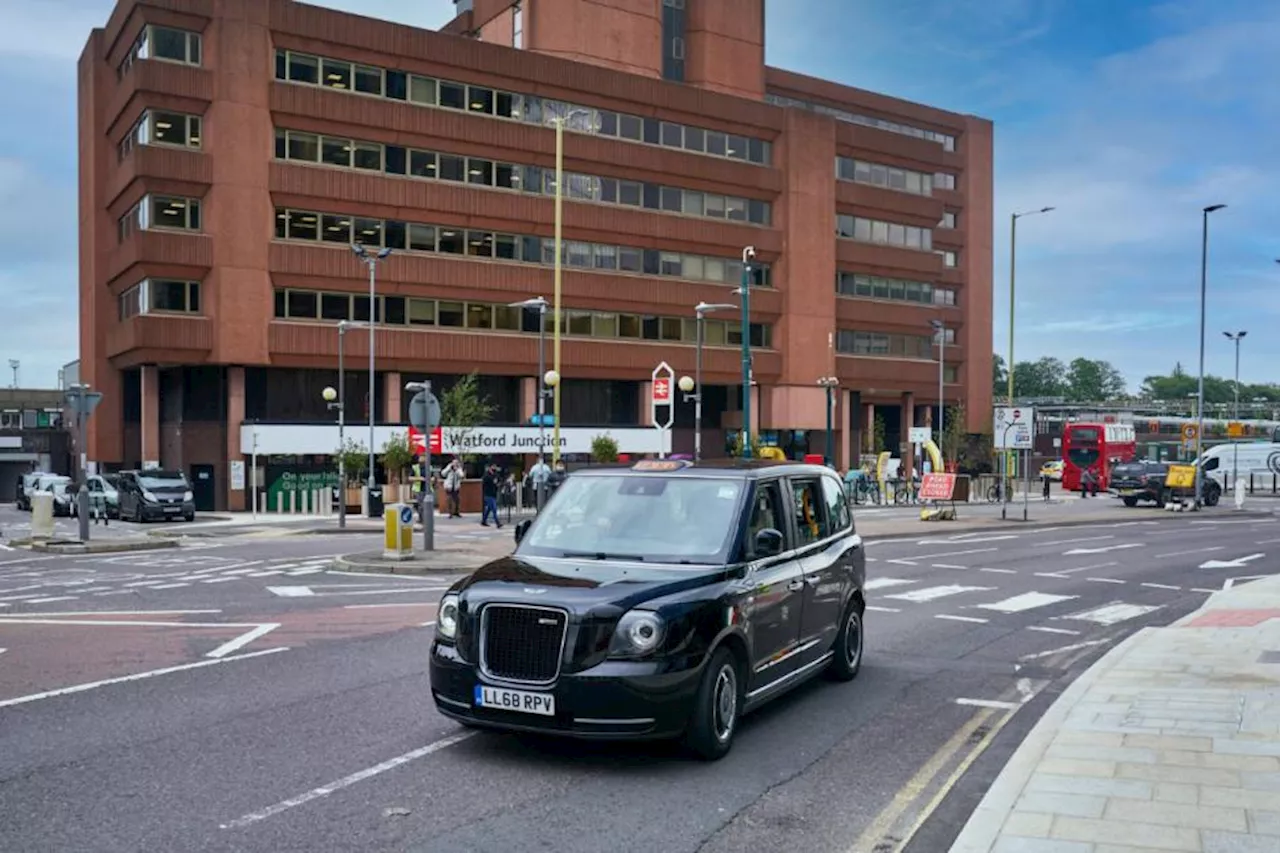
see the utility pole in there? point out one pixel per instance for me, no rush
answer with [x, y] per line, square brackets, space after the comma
[82, 401]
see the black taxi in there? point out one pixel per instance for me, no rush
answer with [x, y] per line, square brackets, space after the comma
[663, 600]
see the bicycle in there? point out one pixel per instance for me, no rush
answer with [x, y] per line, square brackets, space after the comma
[995, 493]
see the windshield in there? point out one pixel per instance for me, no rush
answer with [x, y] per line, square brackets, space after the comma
[680, 519]
[162, 480]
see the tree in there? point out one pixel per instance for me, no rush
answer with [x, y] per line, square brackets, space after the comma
[397, 455]
[604, 449]
[462, 409]
[954, 435]
[355, 458]
[999, 377]
[1045, 377]
[877, 437]
[1090, 380]
[735, 445]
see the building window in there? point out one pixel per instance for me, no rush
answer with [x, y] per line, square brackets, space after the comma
[889, 177]
[862, 286]
[160, 295]
[517, 26]
[944, 180]
[325, 306]
[946, 140]
[400, 161]
[308, 226]
[157, 211]
[949, 259]
[950, 374]
[156, 127]
[302, 68]
[882, 345]
[948, 219]
[888, 233]
[164, 43]
[673, 26]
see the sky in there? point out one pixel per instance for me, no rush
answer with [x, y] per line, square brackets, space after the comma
[1127, 117]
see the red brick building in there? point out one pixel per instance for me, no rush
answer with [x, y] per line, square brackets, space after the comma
[231, 150]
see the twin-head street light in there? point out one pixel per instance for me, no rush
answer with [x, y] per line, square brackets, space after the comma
[748, 255]
[830, 383]
[371, 260]
[540, 304]
[692, 386]
[1204, 287]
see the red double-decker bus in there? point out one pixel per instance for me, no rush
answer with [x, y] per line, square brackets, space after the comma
[1095, 447]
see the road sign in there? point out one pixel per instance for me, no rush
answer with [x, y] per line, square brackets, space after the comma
[1235, 429]
[1189, 432]
[1180, 477]
[1014, 427]
[937, 487]
[419, 444]
[424, 410]
[660, 396]
[919, 435]
[82, 402]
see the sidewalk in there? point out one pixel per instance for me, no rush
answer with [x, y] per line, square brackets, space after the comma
[447, 558]
[1169, 742]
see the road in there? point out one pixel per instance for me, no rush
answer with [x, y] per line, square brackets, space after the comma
[239, 696]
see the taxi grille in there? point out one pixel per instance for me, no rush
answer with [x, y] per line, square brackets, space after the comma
[520, 643]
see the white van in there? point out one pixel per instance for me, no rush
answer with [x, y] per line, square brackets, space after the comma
[1260, 459]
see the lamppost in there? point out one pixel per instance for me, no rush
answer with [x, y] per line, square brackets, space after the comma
[748, 254]
[337, 402]
[1204, 287]
[692, 386]
[941, 329]
[1235, 445]
[555, 299]
[371, 261]
[830, 383]
[540, 304]
[552, 380]
[1013, 271]
[14, 364]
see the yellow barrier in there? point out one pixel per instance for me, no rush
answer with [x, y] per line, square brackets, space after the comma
[397, 532]
[1181, 477]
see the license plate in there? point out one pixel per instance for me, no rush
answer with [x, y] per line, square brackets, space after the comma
[522, 701]
[1126, 491]
[174, 509]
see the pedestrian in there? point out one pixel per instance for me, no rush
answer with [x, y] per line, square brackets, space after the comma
[489, 486]
[453, 487]
[1048, 484]
[538, 475]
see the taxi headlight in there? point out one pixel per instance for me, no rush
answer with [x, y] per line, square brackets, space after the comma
[447, 618]
[639, 632]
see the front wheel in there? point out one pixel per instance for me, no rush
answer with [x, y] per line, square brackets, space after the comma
[1212, 496]
[1130, 501]
[714, 720]
[847, 649]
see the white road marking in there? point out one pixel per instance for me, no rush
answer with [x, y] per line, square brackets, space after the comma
[948, 566]
[1070, 541]
[989, 703]
[1071, 648]
[115, 592]
[881, 583]
[52, 598]
[243, 640]
[1045, 630]
[934, 592]
[1161, 586]
[141, 583]
[170, 585]
[290, 591]
[959, 618]
[1199, 589]
[966, 538]
[1103, 549]
[137, 676]
[346, 781]
[297, 572]
[55, 613]
[239, 571]
[1111, 614]
[1193, 551]
[1087, 568]
[22, 597]
[1105, 580]
[1000, 571]
[903, 562]
[218, 580]
[396, 604]
[1026, 601]
[404, 578]
[950, 553]
[884, 609]
[266, 573]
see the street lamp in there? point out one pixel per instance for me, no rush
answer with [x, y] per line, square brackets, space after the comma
[1235, 451]
[692, 386]
[335, 401]
[371, 261]
[748, 255]
[941, 329]
[830, 383]
[1013, 270]
[540, 304]
[559, 246]
[1204, 287]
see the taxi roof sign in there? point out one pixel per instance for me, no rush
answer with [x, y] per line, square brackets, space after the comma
[661, 465]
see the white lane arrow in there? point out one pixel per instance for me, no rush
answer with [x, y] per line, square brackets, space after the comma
[1237, 563]
[302, 591]
[1104, 549]
[290, 591]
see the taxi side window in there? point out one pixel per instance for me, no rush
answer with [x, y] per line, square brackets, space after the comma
[810, 509]
[767, 513]
[837, 504]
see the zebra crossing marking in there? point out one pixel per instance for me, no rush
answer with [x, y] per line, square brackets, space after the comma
[881, 583]
[1111, 613]
[1026, 601]
[935, 592]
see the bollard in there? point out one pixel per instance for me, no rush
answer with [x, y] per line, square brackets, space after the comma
[280, 502]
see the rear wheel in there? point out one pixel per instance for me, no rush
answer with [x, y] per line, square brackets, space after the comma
[714, 720]
[847, 649]
[1130, 501]
[1212, 494]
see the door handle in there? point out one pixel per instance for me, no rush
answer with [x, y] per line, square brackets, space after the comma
[796, 585]
[811, 580]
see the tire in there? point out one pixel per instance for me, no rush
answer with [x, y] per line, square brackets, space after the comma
[188, 518]
[716, 709]
[1130, 501]
[848, 646]
[1212, 495]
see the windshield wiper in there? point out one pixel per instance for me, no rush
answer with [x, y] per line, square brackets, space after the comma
[601, 555]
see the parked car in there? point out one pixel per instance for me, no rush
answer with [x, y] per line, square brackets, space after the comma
[64, 497]
[154, 495]
[103, 495]
[1052, 470]
[659, 601]
[1139, 481]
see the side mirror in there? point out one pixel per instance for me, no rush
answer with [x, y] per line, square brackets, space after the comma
[521, 529]
[768, 543]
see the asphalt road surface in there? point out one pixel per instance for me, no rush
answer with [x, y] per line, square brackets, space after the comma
[240, 696]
